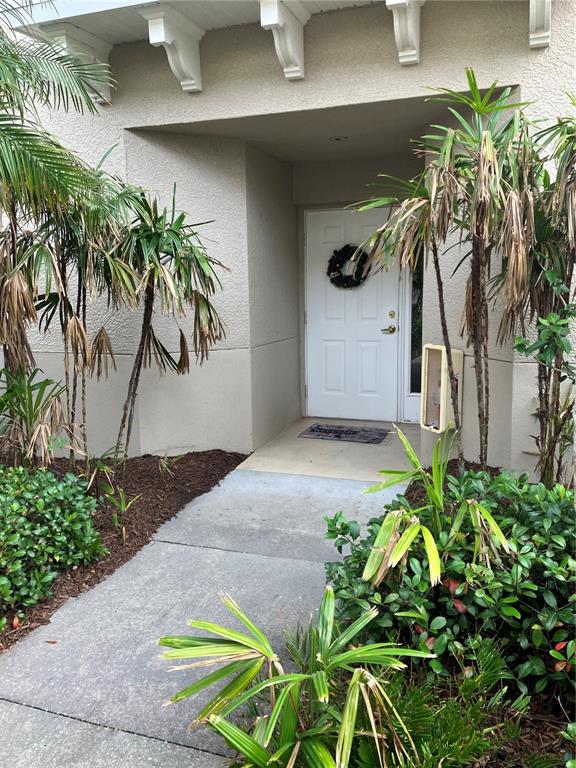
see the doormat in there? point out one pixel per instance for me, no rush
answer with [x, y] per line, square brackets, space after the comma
[346, 434]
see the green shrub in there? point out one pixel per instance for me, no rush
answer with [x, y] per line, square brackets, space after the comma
[524, 598]
[45, 527]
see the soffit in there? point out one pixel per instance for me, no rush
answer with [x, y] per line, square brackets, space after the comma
[352, 131]
[119, 21]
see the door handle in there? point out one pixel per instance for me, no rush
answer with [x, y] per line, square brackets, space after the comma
[390, 329]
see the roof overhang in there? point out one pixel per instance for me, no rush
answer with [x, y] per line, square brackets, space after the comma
[93, 27]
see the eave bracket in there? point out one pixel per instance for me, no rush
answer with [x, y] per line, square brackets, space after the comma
[80, 43]
[286, 20]
[407, 29]
[540, 23]
[180, 38]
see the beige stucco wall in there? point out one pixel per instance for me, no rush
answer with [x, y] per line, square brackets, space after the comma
[273, 280]
[351, 58]
[179, 412]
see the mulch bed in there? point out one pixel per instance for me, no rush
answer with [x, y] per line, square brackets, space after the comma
[539, 735]
[162, 492]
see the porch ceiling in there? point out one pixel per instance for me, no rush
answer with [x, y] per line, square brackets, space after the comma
[371, 130]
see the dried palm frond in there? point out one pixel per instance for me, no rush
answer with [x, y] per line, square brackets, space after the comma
[101, 354]
[443, 211]
[208, 328]
[153, 347]
[16, 304]
[40, 441]
[514, 243]
[184, 359]
[486, 190]
[18, 353]
[76, 336]
[444, 187]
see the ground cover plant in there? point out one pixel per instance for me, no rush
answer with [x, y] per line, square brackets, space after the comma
[500, 566]
[45, 526]
[342, 703]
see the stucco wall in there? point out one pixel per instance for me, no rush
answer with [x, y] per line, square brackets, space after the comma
[273, 281]
[211, 406]
[351, 58]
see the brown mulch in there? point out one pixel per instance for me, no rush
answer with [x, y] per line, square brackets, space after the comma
[417, 494]
[539, 735]
[162, 493]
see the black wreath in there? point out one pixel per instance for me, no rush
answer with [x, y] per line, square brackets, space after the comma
[337, 263]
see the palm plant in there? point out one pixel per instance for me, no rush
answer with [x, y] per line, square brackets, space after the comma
[171, 265]
[545, 270]
[432, 522]
[418, 225]
[488, 181]
[79, 234]
[31, 416]
[462, 190]
[320, 715]
[72, 254]
[38, 175]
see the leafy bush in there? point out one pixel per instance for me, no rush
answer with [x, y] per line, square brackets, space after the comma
[521, 595]
[45, 527]
[342, 704]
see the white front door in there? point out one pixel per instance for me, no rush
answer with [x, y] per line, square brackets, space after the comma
[351, 333]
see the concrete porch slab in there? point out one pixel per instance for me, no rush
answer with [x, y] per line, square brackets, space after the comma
[292, 455]
[272, 514]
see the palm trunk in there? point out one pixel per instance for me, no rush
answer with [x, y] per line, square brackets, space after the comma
[552, 421]
[480, 342]
[485, 358]
[448, 347]
[74, 395]
[130, 402]
[83, 395]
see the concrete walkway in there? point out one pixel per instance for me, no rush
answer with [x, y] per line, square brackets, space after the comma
[87, 689]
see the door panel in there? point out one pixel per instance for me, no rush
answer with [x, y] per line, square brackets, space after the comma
[351, 364]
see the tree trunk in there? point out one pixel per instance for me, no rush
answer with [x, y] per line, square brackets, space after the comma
[448, 346]
[74, 395]
[83, 395]
[480, 341]
[130, 402]
[551, 422]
